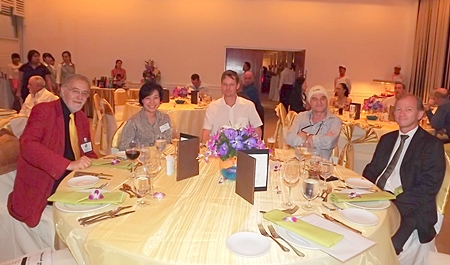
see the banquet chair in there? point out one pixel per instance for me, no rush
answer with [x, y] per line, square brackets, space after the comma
[280, 111]
[116, 138]
[97, 121]
[120, 98]
[414, 252]
[108, 127]
[17, 125]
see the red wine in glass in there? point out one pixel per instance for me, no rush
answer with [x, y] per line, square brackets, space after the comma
[132, 154]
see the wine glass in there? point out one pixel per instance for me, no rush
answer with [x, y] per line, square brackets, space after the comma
[160, 144]
[175, 139]
[152, 168]
[310, 190]
[141, 184]
[326, 169]
[133, 152]
[145, 154]
[291, 178]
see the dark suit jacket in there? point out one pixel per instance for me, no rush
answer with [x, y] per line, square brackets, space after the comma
[41, 160]
[422, 172]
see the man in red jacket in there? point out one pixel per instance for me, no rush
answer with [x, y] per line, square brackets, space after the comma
[47, 152]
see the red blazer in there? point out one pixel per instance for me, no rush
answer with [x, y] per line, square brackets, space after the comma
[41, 160]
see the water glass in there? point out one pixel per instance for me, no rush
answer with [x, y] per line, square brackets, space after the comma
[291, 178]
[310, 190]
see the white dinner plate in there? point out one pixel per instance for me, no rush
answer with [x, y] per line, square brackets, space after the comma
[359, 216]
[293, 238]
[248, 244]
[373, 205]
[359, 183]
[79, 208]
[82, 181]
[121, 154]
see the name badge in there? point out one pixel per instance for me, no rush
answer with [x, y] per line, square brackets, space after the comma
[86, 147]
[164, 127]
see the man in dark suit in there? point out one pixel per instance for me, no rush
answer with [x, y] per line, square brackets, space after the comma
[411, 163]
[55, 141]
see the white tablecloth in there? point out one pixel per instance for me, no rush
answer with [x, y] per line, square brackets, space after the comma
[6, 97]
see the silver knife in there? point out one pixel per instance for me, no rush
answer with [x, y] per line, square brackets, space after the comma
[77, 173]
[106, 217]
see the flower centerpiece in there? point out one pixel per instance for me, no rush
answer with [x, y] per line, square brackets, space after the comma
[180, 92]
[372, 104]
[225, 144]
[151, 72]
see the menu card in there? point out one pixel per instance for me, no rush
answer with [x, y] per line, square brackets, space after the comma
[391, 113]
[194, 97]
[357, 110]
[165, 96]
[188, 149]
[252, 172]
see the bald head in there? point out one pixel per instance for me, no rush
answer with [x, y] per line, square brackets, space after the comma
[248, 78]
[441, 95]
[35, 84]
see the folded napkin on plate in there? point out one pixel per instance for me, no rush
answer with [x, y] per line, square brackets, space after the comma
[76, 197]
[314, 233]
[374, 196]
[107, 163]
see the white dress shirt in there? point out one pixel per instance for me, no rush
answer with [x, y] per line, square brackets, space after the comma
[241, 114]
[42, 95]
[394, 180]
[399, 78]
[287, 77]
[344, 79]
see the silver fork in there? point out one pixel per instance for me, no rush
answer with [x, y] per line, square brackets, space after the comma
[101, 186]
[264, 233]
[276, 235]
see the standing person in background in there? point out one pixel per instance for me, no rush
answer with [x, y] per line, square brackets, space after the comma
[65, 69]
[33, 67]
[13, 77]
[119, 74]
[286, 83]
[343, 78]
[246, 66]
[49, 61]
[397, 77]
[297, 101]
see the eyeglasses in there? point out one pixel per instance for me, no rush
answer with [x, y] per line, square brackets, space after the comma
[77, 92]
[311, 125]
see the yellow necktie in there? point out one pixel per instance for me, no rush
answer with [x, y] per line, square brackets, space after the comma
[74, 136]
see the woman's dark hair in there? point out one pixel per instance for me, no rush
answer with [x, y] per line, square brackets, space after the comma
[346, 92]
[68, 53]
[31, 53]
[147, 89]
[299, 83]
[46, 54]
[118, 60]
[14, 56]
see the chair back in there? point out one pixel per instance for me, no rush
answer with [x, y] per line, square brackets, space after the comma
[117, 137]
[18, 124]
[443, 197]
[97, 120]
[108, 128]
[120, 97]
[280, 111]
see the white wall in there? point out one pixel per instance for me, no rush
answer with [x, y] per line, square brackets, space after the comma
[187, 36]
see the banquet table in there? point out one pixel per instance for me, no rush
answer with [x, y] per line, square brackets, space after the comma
[192, 222]
[6, 97]
[188, 118]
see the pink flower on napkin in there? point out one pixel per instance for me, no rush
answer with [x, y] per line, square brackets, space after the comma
[95, 195]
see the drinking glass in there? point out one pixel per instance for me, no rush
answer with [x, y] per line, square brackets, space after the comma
[175, 139]
[133, 152]
[152, 168]
[304, 151]
[326, 169]
[160, 144]
[310, 190]
[141, 185]
[291, 178]
[145, 154]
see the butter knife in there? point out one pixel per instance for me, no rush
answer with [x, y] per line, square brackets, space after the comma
[78, 173]
[329, 217]
[106, 217]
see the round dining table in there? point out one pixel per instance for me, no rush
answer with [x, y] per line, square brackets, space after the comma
[187, 118]
[191, 224]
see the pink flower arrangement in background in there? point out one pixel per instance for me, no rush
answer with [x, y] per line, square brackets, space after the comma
[372, 103]
[181, 92]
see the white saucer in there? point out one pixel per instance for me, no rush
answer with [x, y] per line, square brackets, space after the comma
[82, 181]
[79, 208]
[359, 183]
[372, 205]
[293, 238]
[359, 217]
[248, 244]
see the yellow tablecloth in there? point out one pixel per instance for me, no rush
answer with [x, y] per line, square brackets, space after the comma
[190, 225]
[188, 118]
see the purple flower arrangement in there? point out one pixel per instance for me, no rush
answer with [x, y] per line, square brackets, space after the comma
[227, 141]
[181, 92]
[372, 103]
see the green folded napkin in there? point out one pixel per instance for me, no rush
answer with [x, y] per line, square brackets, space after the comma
[107, 163]
[76, 197]
[374, 196]
[314, 233]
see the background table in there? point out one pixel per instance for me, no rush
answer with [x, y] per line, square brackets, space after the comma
[188, 118]
[190, 225]
[6, 96]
